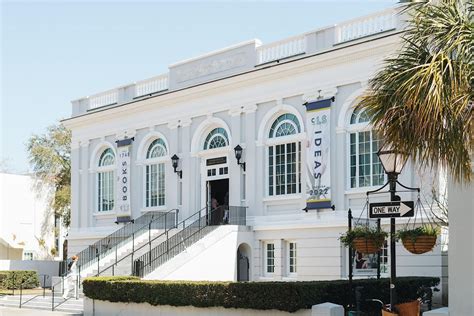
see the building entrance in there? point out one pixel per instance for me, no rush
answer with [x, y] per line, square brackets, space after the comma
[218, 200]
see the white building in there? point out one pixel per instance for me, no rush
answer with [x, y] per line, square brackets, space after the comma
[29, 229]
[253, 95]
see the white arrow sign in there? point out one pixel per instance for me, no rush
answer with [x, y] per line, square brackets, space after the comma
[392, 209]
[404, 209]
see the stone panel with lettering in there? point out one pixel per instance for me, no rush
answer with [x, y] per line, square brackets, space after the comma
[220, 64]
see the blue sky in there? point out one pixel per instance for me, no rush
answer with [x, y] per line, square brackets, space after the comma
[56, 51]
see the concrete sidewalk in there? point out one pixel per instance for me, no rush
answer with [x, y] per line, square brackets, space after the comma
[7, 311]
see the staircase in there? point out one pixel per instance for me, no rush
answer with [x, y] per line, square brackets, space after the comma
[70, 306]
[138, 248]
[186, 233]
[108, 256]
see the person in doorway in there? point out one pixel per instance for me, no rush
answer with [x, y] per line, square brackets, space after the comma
[215, 211]
[226, 208]
[214, 203]
[70, 281]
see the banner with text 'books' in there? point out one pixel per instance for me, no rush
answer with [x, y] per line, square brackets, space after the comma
[123, 208]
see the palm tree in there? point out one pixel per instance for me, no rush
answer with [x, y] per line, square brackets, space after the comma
[422, 100]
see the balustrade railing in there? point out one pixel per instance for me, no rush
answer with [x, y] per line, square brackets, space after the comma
[365, 26]
[282, 49]
[103, 99]
[152, 85]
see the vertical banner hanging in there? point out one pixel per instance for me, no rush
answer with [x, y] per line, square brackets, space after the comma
[124, 213]
[318, 183]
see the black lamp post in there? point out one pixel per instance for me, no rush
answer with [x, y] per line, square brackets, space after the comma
[175, 160]
[238, 156]
[393, 162]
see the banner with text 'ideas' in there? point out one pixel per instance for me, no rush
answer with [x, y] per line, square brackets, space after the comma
[318, 182]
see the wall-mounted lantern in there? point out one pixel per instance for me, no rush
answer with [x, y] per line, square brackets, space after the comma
[175, 160]
[238, 156]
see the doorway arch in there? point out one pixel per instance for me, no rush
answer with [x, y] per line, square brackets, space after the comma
[243, 262]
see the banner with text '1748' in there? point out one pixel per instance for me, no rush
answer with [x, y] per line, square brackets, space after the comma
[318, 162]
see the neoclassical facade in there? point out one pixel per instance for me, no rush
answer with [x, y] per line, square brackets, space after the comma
[254, 96]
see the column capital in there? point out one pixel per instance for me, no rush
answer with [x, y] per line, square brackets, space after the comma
[236, 111]
[250, 108]
[128, 133]
[322, 93]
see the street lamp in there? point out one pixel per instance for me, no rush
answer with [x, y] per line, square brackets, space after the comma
[174, 161]
[238, 156]
[393, 162]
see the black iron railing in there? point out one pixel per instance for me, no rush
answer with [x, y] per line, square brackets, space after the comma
[109, 244]
[167, 222]
[189, 231]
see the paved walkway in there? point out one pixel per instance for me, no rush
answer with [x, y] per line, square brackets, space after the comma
[7, 311]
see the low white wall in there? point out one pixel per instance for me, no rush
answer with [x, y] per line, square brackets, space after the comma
[104, 308]
[50, 268]
[213, 258]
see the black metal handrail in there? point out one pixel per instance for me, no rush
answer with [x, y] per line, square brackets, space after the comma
[106, 245]
[191, 231]
[167, 227]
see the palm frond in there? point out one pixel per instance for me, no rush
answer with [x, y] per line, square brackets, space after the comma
[419, 101]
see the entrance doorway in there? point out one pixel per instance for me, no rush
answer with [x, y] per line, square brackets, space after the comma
[218, 200]
[243, 262]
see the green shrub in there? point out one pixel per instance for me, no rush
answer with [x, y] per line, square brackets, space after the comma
[13, 279]
[285, 296]
[378, 236]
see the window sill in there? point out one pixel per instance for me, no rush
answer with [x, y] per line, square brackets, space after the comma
[153, 209]
[285, 197]
[108, 214]
[292, 277]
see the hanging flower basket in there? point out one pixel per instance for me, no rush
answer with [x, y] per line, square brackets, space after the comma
[367, 245]
[364, 239]
[419, 240]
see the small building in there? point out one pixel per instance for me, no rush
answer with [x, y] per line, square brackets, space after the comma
[271, 129]
[29, 229]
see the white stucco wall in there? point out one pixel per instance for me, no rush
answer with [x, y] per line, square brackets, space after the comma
[461, 248]
[105, 308]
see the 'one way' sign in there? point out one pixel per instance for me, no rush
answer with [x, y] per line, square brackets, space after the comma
[392, 209]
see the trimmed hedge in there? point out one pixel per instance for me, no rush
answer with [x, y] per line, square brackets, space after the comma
[285, 296]
[14, 278]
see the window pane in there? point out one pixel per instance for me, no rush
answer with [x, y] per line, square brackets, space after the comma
[270, 249]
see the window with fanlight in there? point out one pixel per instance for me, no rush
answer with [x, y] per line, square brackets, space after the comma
[155, 173]
[365, 169]
[106, 181]
[284, 156]
[216, 138]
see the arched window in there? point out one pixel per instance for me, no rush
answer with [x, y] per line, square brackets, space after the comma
[284, 158]
[216, 138]
[106, 181]
[365, 168]
[155, 174]
[284, 125]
